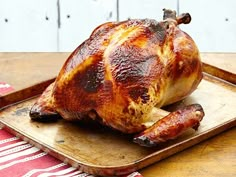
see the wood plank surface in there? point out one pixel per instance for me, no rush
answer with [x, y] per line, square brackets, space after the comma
[22, 70]
[225, 61]
[214, 157]
[221, 69]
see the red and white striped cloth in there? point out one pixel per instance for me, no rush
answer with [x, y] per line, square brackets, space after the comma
[5, 88]
[18, 158]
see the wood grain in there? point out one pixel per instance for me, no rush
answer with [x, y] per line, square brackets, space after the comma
[224, 61]
[215, 157]
[22, 70]
[221, 69]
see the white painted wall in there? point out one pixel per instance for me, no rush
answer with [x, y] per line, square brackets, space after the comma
[24, 27]
[213, 25]
[84, 16]
[144, 8]
[32, 25]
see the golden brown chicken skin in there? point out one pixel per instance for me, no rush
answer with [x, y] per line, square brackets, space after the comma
[123, 72]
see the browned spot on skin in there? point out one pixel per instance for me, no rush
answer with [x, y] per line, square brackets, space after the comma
[132, 111]
[89, 103]
[125, 110]
[92, 77]
[157, 87]
[141, 92]
[183, 67]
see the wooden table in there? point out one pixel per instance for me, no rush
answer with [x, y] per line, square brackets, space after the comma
[213, 157]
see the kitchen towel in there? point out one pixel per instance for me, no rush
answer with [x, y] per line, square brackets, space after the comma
[20, 159]
[5, 88]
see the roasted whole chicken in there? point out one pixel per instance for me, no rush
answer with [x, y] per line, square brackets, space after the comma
[123, 73]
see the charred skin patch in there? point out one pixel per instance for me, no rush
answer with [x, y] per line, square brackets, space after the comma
[77, 92]
[139, 92]
[91, 78]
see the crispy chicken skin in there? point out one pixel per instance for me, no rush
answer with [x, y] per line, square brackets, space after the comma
[123, 72]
